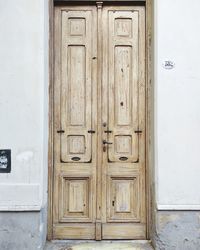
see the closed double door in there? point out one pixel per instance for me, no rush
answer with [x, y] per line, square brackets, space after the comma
[99, 122]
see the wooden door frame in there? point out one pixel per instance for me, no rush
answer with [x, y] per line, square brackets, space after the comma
[149, 114]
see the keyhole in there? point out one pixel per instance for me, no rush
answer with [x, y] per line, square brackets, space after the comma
[121, 103]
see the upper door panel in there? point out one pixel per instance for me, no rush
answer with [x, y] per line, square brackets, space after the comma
[123, 47]
[76, 85]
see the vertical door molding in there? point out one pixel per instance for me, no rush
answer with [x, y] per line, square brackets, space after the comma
[50, 141]
[150, 167]
[99, 127]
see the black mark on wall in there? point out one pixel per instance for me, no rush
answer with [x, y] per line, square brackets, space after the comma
[5, 160]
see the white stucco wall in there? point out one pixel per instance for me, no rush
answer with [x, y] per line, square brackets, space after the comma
[24, 114]
[177, 104]
[23, 99]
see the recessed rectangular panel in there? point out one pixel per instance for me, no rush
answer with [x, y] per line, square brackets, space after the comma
[123, 144]
[76, 144]
[76, 26]
[122, 91]
[75, 204]
[123, 198]
[78, 192]
[123, 27]
[76, 85]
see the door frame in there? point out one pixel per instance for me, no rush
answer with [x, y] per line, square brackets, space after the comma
[149, 113]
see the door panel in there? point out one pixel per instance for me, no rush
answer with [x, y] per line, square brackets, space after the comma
[99, 122]
[76, 85]
[123, 117]
[123, 199]
[75, 108]
[123, 85]
[125, 231]
[75, 201]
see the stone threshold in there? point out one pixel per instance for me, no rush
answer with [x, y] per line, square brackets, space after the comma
[98, 245]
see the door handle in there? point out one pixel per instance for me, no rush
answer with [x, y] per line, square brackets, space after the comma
[106, 142]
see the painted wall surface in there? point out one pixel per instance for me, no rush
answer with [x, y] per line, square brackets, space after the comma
[23, 102]
[24, 114]
[177, 104]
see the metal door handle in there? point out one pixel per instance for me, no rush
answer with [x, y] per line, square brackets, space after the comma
[106, 142]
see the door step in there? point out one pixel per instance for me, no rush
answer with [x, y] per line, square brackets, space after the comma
[98, 245]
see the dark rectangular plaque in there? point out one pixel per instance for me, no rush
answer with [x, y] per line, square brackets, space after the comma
[5, 160]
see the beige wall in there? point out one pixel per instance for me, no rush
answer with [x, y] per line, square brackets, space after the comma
[177, 104]
[23, 99]
[24, 114]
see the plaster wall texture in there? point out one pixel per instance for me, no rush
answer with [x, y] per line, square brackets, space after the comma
[177, 104]
[23, 102]
[24, 113]
[177, 119]
[177, 230]
[24, 116]
[23, 230]
[24, 122]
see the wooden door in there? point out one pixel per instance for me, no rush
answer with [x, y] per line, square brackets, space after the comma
[123, 116]
[99, 123]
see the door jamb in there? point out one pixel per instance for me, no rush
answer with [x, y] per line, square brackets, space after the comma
[50, 125]
[150, 187]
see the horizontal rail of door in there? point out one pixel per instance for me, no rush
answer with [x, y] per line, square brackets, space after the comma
[105, 2]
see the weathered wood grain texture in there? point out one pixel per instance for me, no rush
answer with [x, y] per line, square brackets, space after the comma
[99, 84]
[123, 90]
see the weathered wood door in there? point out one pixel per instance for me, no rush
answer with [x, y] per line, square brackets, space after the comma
[99, 122]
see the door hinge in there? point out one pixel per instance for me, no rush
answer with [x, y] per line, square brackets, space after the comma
[138, 131]
[108, 131]
[91, 131]
[60, 131]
